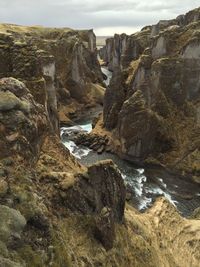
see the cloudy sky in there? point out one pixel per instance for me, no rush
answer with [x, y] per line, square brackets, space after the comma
[106, 17]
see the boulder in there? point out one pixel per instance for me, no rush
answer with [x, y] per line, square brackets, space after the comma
[17, 108]
[12, 224]
[101, 186]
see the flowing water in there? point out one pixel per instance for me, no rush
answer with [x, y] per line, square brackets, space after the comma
[108, 75]
[144, 185]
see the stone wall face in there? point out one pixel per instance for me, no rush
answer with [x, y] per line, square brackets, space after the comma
[51, 65]
[23, 121]
[51, 62]
[120, 50]
[157, 117]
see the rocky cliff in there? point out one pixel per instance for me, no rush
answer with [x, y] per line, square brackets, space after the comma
[122, 49]
[40, 181]
[153, 102]
[61, 62]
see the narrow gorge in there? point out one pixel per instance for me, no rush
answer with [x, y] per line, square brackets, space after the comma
[100, 148]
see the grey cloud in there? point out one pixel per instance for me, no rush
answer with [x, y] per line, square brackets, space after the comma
[100, 14]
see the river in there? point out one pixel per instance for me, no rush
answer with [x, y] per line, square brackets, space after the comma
[108, 75]
[143, 185]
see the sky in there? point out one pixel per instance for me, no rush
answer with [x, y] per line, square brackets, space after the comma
[106, 17]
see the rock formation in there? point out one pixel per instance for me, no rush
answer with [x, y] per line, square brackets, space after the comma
[122, 49]
[153, 102]
[61, 62]
[23, 122]
[40, 181]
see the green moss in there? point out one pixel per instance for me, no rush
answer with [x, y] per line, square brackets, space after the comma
[61, 248]
[31, 257]
[63, 236]
[62, 259]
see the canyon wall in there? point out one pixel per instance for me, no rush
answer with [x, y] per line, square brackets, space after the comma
[152, 104]
[122, 49]
[40, 182]
[59, 66]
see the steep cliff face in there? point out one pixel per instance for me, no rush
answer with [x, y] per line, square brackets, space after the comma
[53, 62]
[182, 20]
[40, 181]
[23, 122]
[155, 106]
[120, 50]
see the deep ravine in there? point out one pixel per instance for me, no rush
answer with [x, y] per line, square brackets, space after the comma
[143, 185]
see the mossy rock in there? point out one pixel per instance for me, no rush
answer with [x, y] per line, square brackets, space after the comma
[9, 101]
[11, 224]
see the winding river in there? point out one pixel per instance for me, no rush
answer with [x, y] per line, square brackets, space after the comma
[143, 185]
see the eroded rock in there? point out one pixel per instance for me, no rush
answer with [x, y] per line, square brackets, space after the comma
[152, 106]
[59, 67]
[19, 108]
[101, 186]
[105, 228]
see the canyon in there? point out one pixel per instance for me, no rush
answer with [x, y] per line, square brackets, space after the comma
[152, 105]
[59, 109]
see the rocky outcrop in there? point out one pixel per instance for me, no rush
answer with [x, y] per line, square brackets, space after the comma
[93, 141]
[34, 67]
[100, 186]
[59, 66]
[23, 122]
[181, 20]
[100, 192]
[154, 110]
[114, 98]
